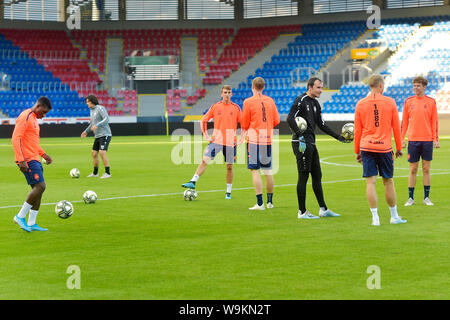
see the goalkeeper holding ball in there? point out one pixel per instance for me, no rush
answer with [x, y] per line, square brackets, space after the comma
[305, 150]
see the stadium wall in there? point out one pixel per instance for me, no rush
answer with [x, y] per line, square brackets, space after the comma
[157, 127]
[305, 16]
[137, 129]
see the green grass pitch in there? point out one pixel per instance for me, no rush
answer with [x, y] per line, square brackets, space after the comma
[141, 240]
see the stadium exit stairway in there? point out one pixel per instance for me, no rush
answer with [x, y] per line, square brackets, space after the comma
[242, 73]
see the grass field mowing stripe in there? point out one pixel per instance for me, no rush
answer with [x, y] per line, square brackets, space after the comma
[207, 191]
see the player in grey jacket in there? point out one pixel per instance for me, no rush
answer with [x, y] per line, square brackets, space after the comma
[99, 125]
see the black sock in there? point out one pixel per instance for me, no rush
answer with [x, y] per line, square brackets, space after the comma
[95, 170]
[259, 198]
[107, 170]
[270, 198]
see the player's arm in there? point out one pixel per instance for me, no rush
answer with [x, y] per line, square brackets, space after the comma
[276, 115]
[321, 123]
[243, 131]
[17, 142]
[358, 134]
[204, 123]
[397, 132]
[435, 126]
[245, 124]
[87, 130]
[405, 123]
[291, 118]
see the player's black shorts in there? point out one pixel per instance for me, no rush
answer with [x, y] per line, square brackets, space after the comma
[308, 161]
[101, 143]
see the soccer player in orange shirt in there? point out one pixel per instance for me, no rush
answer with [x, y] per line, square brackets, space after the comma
[260, 116]
[226, 115]
[28, 153]
[420, 116]
[376, 117]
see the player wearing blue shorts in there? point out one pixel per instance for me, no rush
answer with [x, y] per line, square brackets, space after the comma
[28, 153]
[226, 115]
[260, 116]
[376, 118]
[421, 118]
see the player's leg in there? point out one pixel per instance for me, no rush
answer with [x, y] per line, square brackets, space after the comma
[209, 154]
[303, 168]
[104, 155]
[414, 151]
[372, 199]
[370, 171]
[229, 153]
[412, 179]
[427, 156]
[316, 177]
[229, 180]
[198, 172]
[268, 174]
[386, 168]
[254, 164]
[258, 185]
[94, 155]
[35, 178]
[426, 166]
[37, 190]
[104, 144]
[265, 156]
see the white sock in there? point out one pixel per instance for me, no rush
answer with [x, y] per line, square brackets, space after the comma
[374, 213]
[394, 213]
[229, 187]
[195, 177]
[32, 217]
[323, 209]
[24, 210]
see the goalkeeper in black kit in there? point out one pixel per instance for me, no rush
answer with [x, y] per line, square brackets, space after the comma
[305, 150]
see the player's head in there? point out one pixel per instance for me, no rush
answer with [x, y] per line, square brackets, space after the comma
[91, 101]
[376, 83]
[42, 107]
[226, 93]
[314, 86]
[419, 85]
[258, 85]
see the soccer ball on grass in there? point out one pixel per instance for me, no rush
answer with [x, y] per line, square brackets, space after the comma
[64, 209]
[75, 173]
[190, 195]
[89, 197]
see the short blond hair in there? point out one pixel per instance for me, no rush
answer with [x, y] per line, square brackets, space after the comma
[375, 80]
[226, 87]
[258, 83]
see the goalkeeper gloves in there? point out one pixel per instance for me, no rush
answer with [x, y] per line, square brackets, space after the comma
[301, 144]
[342, 139]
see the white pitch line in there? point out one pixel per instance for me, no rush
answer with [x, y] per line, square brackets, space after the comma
[209, 191]
[360, 165]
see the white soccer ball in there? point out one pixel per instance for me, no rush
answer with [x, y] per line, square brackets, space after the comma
[64, 209]
[75, 173]
[190, 195]
[348, 131]
[301, 124]
[89, 197]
